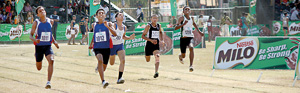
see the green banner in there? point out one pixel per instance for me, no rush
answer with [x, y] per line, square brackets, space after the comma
[137, 45]
[252, 9]
[90, 38]
[293, 28]
[141, 26]
[255, 30]
[19, 5]
[198, 39]
[173, 4]
[13, 32]
[255, 53]
[94, 6]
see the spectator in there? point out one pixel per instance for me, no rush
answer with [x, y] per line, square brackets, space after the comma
[27, 8]
[4, 17]
[62, 8]
[200, 21]
[105, 8]
[70, 12]
[17, 19]
[29, 18]
[13, 5]
[1, 16]
[209, 28]
[295, 15]
[285, 24]
[8, 7]
[11, 17]
[225, 22]
[173, 21]
[55, 17]
[245, 25]
[139, 13]
[87, 6]
[36, 4]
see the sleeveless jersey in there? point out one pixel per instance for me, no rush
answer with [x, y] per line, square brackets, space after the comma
[101, 37]
[119, 38]
[43, 32]
[153, 32]
[187, 30]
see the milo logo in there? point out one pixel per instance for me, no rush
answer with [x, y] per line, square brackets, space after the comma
[96, 2]
[15, 32]
[294, 28]
[243, 51]
[235, 31]
[69, 32]
[277, 27]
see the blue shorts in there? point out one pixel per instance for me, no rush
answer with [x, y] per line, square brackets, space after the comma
[116, 48]
[40, 51]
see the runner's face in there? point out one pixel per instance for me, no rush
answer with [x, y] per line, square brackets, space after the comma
[154, 19]
[41, 12]
[120, 17]
[187, 10]
[101, 15]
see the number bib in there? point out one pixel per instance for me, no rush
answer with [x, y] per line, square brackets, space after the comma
[208, 24]
[100, 37]
[187, 32]
[45, 36]
[155, 34]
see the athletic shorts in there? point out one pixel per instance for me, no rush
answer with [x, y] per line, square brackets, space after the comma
[83, 31]
[40, 51]
[285, 28]
[150, 47]
[105, 53]
[184, 42]
[116, 48]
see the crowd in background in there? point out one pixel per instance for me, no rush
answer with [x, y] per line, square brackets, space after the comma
[291, 7]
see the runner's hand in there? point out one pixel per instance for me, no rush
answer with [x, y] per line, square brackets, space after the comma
[132, 36]
[37, 41]
[154, 42]
[56, 45]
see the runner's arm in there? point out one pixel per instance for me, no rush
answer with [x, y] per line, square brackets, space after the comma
[178, 24]
[33, 28]
[195, 25]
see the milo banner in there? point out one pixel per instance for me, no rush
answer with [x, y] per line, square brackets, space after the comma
[137, 45]
[255, 53]
[294, 28]
[10, 32]
[255, 30]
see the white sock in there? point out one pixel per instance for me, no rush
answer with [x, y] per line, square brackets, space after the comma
[48, 82]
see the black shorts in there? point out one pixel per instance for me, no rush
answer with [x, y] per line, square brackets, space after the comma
[40, 51]
[285, 28]
[83, 31]
[150, 47]
[105, 53]
[184, 42]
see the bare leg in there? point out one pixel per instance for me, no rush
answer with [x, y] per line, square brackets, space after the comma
[112, 59]
[147, 58]
[191, 56]
[100, 67]
[121, 55]
[50, 59]
[38, 65]
[156, 55]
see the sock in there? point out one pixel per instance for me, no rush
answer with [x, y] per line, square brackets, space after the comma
[120, 75]
[103, 81]
[48, 82]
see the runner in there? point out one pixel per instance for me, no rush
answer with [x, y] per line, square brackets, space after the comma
[102, 43]
[118, 47]
[154, 35]
[42, 41]
[186, 23]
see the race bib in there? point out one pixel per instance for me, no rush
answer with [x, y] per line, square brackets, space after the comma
[100, 37]
[187, 32]
[208, 24]
[155, 34]
[45, 36]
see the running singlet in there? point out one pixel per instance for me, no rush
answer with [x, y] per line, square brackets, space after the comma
[119, 38]
[153, 32]
[187, 30]
[43, 32]
[101, 37]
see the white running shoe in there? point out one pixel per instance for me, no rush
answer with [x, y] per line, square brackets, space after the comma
[120, 81]
[105, 84]
[180, 59]
[48, 85]
[191, 69]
